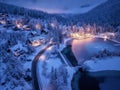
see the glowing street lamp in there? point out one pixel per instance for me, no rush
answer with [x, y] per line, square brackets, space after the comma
[105, 37]
[50, 48]
[113, 34]
[2, 22]
[36, 43]
[89, 35]
[52, 25]
[42, 57]
[38, 26]
[19, 25]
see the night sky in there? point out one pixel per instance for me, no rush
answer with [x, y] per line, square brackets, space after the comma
[58, 6]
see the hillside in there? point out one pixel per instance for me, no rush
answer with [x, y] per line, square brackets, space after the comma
[16, 10]
[106, 13]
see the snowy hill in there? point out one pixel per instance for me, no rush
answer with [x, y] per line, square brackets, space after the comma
[105, 13]
[12, 9]
[54, 6]
[16, 10]
[108, 12]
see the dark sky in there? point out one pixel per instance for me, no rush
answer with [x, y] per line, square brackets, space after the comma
[58, 6]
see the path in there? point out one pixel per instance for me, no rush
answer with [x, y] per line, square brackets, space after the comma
[34, 69]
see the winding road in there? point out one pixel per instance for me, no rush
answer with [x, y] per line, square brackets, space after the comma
[36, 85]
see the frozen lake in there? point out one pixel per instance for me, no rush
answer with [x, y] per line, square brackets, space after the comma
[85, 49]
[102, 80]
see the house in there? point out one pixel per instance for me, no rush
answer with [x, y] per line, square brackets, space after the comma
[36, 41]
[26, 27]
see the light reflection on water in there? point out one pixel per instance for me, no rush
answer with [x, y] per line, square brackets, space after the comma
[84, 49]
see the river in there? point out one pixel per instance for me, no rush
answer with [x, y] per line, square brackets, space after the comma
[81, 50]
[103, 80]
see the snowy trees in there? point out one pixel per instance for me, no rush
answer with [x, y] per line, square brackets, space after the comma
[56, 35]
[13, 72]
[105, 13]
[13, 69]
[53, 78]
[12, 38]
[59, 78]
[44, 68]
[64, 73]
[28, 75]
[106, 53]
[30, 49]
[23, 11]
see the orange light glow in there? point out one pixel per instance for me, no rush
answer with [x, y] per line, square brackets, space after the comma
[105, 37]
[42, 57]
[89, 35]
[52, 24]
[38, 26]
[36, 43]
[113, 34]
[50, 48]
[81, 36]
[2, 22]
[19, 25]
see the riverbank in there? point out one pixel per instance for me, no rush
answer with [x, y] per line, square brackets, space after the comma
[100, 80]
[107, 63]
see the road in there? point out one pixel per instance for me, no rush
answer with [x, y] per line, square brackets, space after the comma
[34, 69]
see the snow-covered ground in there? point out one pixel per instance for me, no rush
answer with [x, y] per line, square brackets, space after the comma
[31, 57]
[14, 51]
[17, 54]
[44, 71]
[107, 63]
[26, 65]
[55, 63]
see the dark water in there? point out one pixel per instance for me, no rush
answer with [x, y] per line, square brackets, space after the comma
[67, 52]
[105, 80]
[79, 51]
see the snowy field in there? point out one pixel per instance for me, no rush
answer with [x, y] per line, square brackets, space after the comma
[44, 72]
[107, 63]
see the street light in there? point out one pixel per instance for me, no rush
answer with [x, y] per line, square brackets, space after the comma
[50, 48]
[38, 26]
[105, 37]
[36, 43]
[2, 22]
[52, 25]
[19, 25]
[42, 57]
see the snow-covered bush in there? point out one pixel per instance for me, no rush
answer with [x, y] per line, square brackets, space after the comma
[30, 49]
[105, 53]
[44, 68]
[59, 78]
